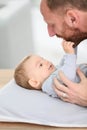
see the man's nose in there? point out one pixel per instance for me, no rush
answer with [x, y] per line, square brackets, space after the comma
[51, 31]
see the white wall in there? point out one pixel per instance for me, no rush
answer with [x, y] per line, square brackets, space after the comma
[15, 32]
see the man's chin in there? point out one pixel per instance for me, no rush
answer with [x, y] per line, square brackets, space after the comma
[76, 44]
[77, 40]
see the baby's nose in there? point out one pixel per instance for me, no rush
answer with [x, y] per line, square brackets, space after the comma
[47, 62]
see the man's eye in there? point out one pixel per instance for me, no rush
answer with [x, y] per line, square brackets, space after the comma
[41, 65]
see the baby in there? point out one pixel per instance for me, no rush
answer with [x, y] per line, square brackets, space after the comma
[35, 72]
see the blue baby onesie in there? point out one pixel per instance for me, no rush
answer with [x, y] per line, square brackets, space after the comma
[68, 66]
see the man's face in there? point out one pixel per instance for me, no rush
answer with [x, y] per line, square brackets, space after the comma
[56, 25]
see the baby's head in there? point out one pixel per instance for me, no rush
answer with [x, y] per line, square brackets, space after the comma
[33, 71]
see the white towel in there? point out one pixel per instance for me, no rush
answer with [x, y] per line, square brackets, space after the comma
[30, 106]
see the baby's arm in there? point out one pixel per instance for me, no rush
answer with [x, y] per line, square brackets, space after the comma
[68, 63]
[68, 48]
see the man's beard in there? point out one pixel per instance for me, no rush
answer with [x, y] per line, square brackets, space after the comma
[76, 35]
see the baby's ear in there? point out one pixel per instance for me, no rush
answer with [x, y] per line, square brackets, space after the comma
[34, 83]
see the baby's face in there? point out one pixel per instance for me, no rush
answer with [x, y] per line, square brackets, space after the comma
[39, 68]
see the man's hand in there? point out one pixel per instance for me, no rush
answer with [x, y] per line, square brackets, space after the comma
[74, 92]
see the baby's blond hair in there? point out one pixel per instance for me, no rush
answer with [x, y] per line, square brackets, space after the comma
[20, 75]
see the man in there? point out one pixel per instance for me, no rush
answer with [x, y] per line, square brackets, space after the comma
[68, 19]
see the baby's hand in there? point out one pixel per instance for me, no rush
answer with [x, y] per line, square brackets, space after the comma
[68, 47]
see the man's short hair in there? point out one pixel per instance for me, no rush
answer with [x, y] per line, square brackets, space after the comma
[78, 4]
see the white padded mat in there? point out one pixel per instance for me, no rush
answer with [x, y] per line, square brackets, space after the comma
[30, 106]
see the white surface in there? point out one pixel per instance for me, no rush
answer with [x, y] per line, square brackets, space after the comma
[30, 106]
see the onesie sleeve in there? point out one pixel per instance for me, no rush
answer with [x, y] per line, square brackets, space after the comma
[69, 66]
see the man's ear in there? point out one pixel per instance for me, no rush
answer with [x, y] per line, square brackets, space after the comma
[72, 18]
[34, 83]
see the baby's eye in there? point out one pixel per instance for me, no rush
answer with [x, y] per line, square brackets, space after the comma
[41, 64]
